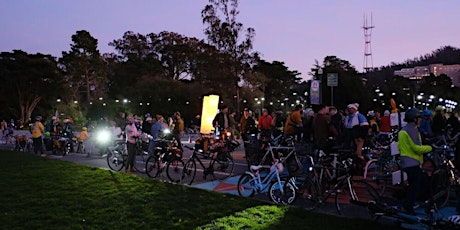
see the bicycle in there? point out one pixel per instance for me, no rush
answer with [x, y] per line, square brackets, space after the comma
[431, 218]
[8, 139]
[286, 154]
[444, 175]
[258, 180]
[315, 190]
[383, 163]
[165, 156]
[118, 154]
[221, 165]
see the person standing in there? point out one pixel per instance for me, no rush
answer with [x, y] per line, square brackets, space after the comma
[178, 128]
[294, 123]
[337, 122]
[37, 130]
[278, 123]
[439, 122]
[411, 150]
[131, 135]
[385, 122]
[4, 126]
[243, 122]
[357, 128]
[265, 125]
[454, 124]
[233, 124]
[221, 120]
[321, 127]
[425, 126]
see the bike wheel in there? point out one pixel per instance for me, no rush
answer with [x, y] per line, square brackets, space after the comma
[282, 192]
[361, 192]
[223, 166]
[115, 160]
[188, 172]
[174, 170]
[247, 185]
[375, 175]
[440, 187]
[152, 166]
[308, 190]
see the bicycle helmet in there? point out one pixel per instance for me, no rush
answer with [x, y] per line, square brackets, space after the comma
[427, 112]
[411, 114]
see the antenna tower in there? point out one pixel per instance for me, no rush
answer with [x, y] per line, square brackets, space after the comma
[368, 65]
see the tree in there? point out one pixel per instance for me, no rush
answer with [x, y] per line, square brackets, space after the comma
[84, 68]
[351, 87]
[28, 80]
[275, 81]
[224, 32]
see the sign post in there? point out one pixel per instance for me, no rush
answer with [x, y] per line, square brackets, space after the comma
[332, 81]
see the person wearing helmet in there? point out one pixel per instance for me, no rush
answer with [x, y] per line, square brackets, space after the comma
[425, 125]
[411, 150]
[37, 130]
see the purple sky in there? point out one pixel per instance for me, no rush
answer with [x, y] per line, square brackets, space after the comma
[296, 32]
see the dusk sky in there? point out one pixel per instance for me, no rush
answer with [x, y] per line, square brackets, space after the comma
[296, 32]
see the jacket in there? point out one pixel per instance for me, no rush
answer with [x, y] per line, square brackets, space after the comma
[411, 152]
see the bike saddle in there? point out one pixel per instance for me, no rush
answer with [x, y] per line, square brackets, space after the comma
[455, 219]
[256, 167]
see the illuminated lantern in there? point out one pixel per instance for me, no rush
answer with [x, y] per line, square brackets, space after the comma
[210, 106]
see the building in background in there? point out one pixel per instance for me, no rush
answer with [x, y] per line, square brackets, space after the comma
[419, 72]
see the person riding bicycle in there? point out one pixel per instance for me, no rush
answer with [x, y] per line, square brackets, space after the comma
[411, 149]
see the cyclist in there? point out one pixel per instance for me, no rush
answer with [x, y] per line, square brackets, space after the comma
[411, 149]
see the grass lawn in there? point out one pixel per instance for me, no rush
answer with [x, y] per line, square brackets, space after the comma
[44, 193]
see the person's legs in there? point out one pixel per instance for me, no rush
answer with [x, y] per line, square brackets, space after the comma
[414, 178]
[359, 142]
[131, 156]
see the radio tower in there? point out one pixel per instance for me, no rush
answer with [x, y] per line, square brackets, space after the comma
[368, 65]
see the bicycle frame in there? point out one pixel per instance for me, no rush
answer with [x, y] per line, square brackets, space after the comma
[262, 184]
[206, 170]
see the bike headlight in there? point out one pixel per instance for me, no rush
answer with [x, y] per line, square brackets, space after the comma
[103, 136]
[166, 131]
[229, 134]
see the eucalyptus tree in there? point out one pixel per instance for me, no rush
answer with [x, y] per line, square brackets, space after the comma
[29, 82]
[84, 68]
[224, 32]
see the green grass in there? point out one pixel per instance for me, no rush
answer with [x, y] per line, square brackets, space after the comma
[44, 193]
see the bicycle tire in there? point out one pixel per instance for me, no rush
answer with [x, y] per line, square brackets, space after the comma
[308, 190]
[364, 193]
[116, 161]
[152, 166]
[440, 187]
[174, 169]
[282, 192]
[223, 166]
[247, 185]
[188, 172]
[140, 161]
[376, 176]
